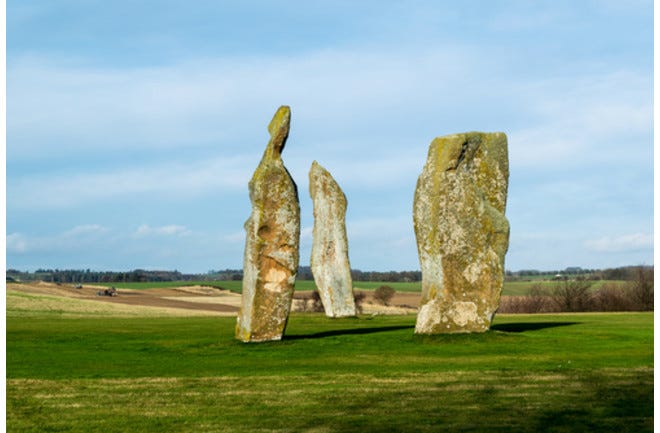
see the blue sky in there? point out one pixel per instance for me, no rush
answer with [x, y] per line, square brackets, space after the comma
[133, 127]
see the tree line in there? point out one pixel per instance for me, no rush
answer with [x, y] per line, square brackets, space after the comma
[142, 275]
[623, 273]
[635, 293]
[626, 273]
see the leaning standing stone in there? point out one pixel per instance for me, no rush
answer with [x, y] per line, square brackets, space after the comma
[329, 262]
[272, 242]
[462, 233]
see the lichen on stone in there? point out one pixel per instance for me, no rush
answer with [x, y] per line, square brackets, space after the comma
[272, 242]
[462, 232]
[329, 259]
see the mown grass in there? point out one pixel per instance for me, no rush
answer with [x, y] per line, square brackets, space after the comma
[578, 372]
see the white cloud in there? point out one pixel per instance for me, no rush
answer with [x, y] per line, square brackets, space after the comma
[306, 234]
[76, 237]
[17, 243]
[622, 243]
[53, 104]
[168, 230]
[595, 118]
[237, 237]
[85, 230]
[62, 190]
[367, 113]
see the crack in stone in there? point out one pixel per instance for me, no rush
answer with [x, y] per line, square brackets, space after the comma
[461, 156]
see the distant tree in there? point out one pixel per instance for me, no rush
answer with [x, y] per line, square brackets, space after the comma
[384, 294]
[623, 273]
[611, 297]
[359, 298]
[317, 304]
[572, 295]
[640, 289]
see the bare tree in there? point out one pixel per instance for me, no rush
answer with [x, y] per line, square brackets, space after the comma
[612, 297]
[359, 298]
[572, 295]
[384, 294]
[641, 289]
[317, 304]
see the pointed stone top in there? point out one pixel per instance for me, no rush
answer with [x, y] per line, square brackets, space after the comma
[316, 167]
[320, 180]
[279, 131]
[318, 173]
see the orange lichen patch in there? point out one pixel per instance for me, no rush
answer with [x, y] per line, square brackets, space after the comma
[272, 244]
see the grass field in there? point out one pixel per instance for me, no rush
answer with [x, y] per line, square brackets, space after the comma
[536, 373]
[511, 288]
[236, 286]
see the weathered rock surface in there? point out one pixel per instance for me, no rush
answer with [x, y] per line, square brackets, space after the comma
[272, 242]
[329, 261]
[462, 233]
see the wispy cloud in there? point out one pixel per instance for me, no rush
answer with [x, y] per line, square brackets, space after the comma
[620, 244]
[77, 237]
[169, 230]
[17, 243]
[176, 120]
[580, 120]
[68, 106]
[58, 190]
[148, 246]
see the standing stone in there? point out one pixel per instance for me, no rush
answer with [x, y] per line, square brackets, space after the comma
[329, 262]
[272, 242]
[462, 233]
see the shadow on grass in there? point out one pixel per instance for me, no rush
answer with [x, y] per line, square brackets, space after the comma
[524, 327]
[505, 327]
[336, 332]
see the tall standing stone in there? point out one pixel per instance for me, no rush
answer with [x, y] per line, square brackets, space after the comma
[329, 262]
[462, 233]
[272, 242]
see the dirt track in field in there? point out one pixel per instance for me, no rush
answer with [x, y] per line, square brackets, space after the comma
[197, 298]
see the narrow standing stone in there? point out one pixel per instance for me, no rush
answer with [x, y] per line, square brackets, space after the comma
[272, 242]
[462, 233]
[329, 261]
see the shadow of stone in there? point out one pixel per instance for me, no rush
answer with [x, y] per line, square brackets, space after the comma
[336, 332]
[525, 327]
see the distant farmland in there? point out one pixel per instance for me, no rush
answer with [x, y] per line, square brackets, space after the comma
[511, 288]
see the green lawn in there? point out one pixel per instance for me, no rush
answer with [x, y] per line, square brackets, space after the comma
[559, 373]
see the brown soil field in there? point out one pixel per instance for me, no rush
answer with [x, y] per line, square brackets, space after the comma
[199, 299]
[195, 299]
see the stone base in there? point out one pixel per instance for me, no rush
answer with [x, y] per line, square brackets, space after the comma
[458, 317]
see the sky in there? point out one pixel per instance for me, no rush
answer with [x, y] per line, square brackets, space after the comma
[133, 127]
